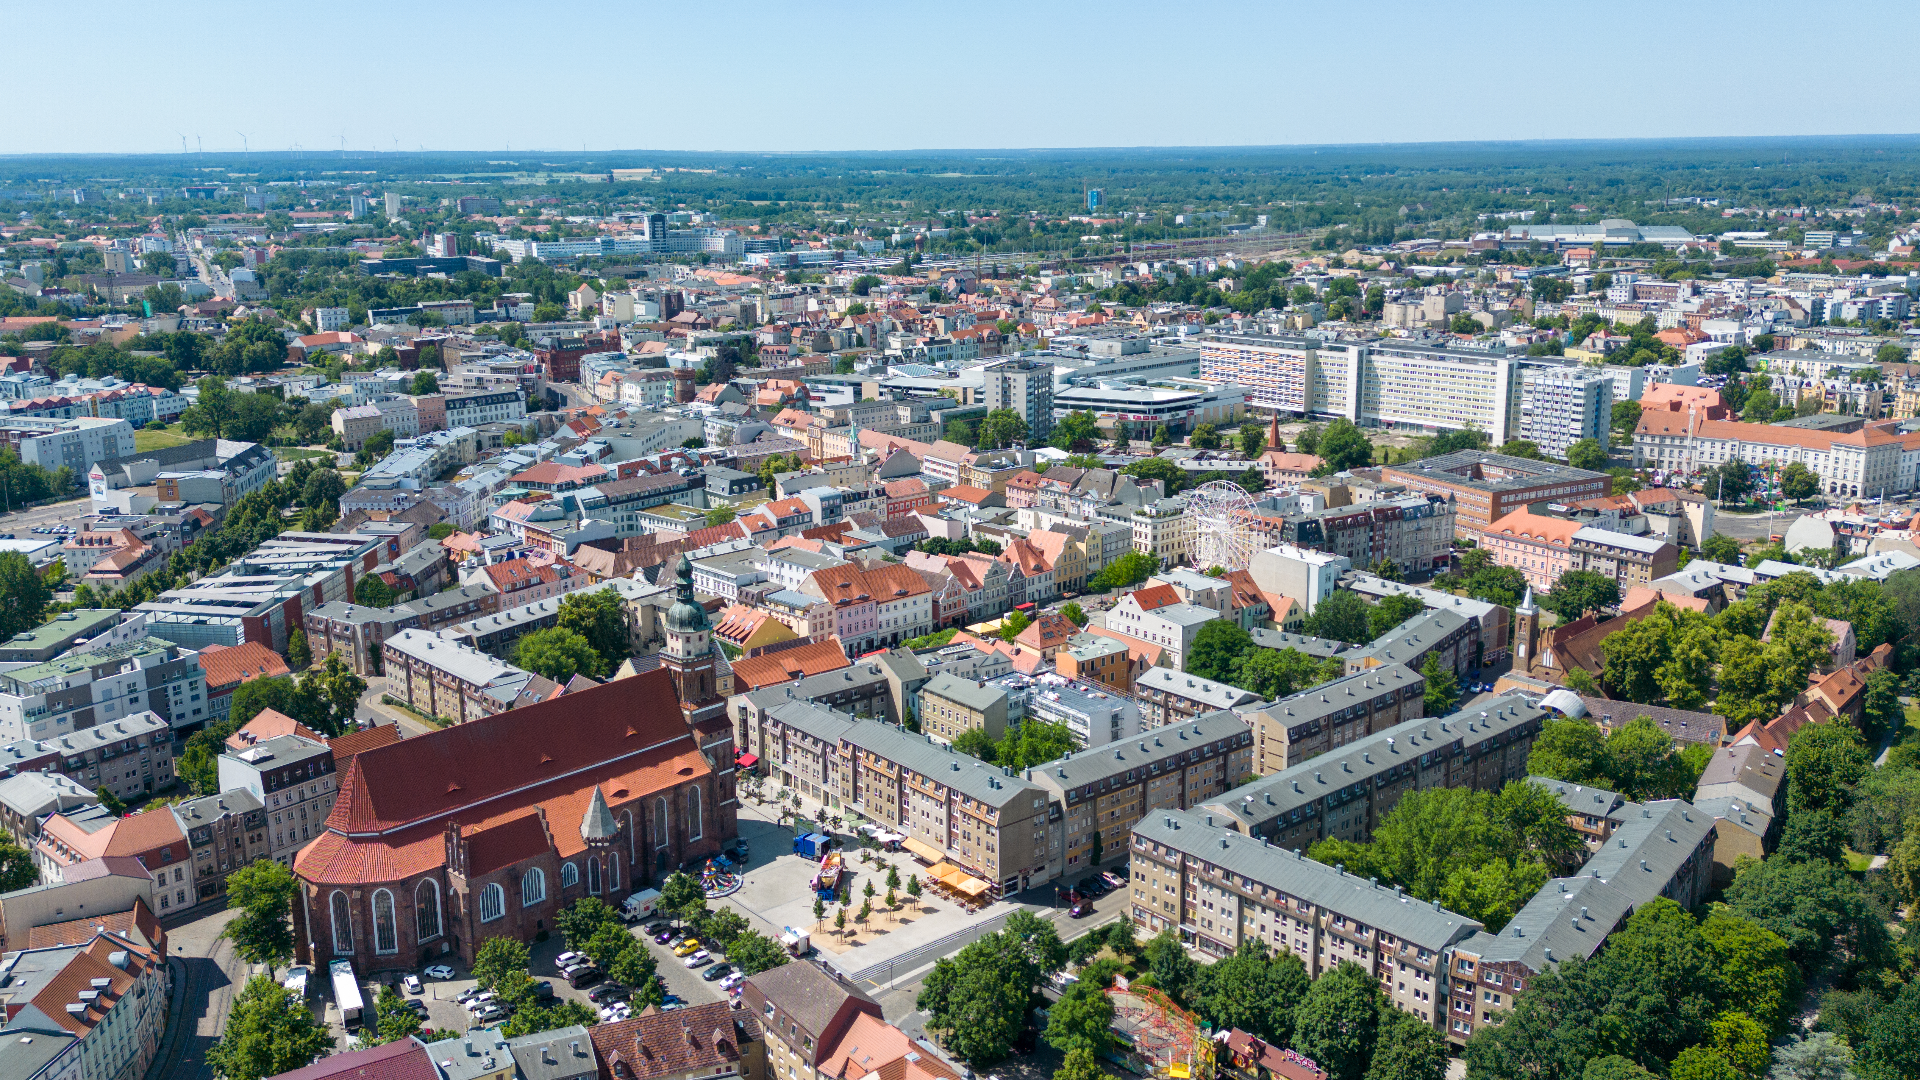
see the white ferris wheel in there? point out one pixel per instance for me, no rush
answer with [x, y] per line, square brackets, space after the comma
[1222, 514]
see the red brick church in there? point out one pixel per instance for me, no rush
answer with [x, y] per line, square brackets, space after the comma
[439, 842]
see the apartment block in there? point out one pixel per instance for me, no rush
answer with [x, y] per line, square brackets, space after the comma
[1168, 696]
[1344, 793]
[1326, 718]
[225, 831]
[1104, 791]
[1561, 406]
[131, 756]
[80, 1012]
[443, 678]
[293, 780]
[1414, 533]
[79, 691]
[951, 706]
[1487, 487]
[1219, 888]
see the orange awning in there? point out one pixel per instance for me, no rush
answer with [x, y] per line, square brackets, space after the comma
[938, 870]
[972, 886]
[922, 849]
[954, 876]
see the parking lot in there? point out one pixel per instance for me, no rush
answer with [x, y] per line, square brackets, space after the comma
[446, 1014]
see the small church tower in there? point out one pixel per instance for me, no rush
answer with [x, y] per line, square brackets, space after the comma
[1526, 634]
[689, 651]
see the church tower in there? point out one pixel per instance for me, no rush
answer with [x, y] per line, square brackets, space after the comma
[1526, 634]
[689, 652]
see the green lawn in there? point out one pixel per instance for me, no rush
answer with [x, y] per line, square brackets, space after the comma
[157, 440]
[295, 453]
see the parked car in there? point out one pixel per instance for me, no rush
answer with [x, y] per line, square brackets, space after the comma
[687, 947]
[568, 959]
[672, 999]
[606, 992]
[439, 971]
[733, 980]
[657, 925]
[411, 984]
[1080, 910]
[661, 937]
[493, 1015]
[717, 972]
[585, 976]
[468, 994]
[542, 988]
[419, 1008]
[1114, 880]
[698, 957]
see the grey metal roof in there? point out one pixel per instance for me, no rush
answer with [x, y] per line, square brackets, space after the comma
[1383, 755]
[1749, 772]
[1662, 836]
[1301, 643]
[207, 808]
[1737, 813]
[1317, 702]
[1418, 922]
[1370, 585]
[1582, 799]
[808, 992]
[941, 764]
[1159, 745]
[812, 687]
[1216, 695]
[1569, 917]
[964, 691]
[1415, 636]
[560, 1054]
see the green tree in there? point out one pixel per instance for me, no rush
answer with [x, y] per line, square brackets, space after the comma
[1080, 1064]
[609, 940]
[1825, 764]
[1074, 613]
[299, 653]
[1407, 1049]
[1131, 568]
[1217, 650]
[1173, 970]
[1752, 965]
[342, 688]
[1252, 441]
[372, 591]
[1001, 428]
[1278, 673]
[23, 595]
[1721, 549]
[635, 967]
[556, 654]
[394, 1018]
[1338, 1020]
[977, 1000]
[1577, 592]
[110, 802]
[1081, 1019]
[680, 894]
[1798, 482]
[1013, 625]
[16, 868]
[1822, 914]
[499, 959]
[1443, 686]
[1343, 616]
[268, 1032]
[1034, 742]
[262, 894]
[1204, 437]
[1521, 448]
[531, 1019]
[425, 382]
[1891, 1050]
[599, 616]
[1587, 454]
[754, 952]
[441, 531]
[580, 920]
[977, 743]
[725, 925]
[1819, 1056]
[1343, 447]
[1252, 990]
[1392, 610]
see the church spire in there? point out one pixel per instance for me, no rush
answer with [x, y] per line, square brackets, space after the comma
[597, 825]
[1526, 605]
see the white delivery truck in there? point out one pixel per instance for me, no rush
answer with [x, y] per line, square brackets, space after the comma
[641, 905]
[346, 993]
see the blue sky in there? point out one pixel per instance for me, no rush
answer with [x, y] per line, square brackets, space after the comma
[486, 75]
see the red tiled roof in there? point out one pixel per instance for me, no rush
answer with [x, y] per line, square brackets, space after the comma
[694, 1041]
[487, 758]
[403, 1060]
[345, 747]
[241, 663]
[137, 922]
[1154, 597]
[268, 724]
[770, 669]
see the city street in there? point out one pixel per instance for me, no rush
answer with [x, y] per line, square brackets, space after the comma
[22, 523]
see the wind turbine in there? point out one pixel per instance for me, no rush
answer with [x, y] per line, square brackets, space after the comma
[243, 141]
